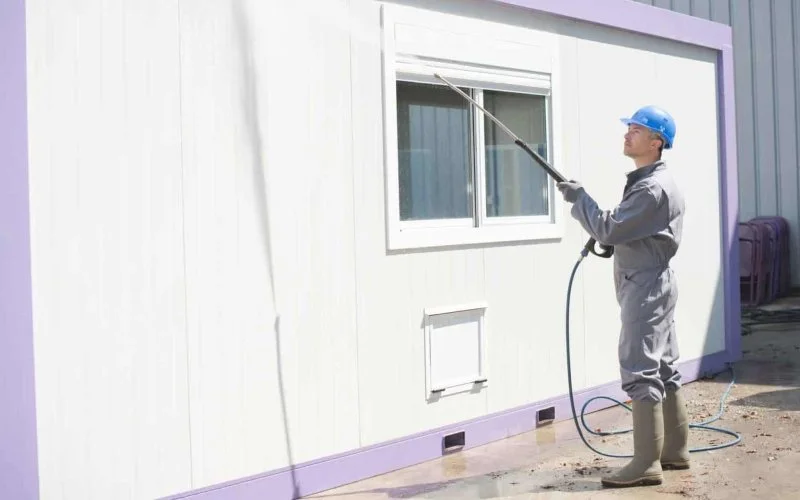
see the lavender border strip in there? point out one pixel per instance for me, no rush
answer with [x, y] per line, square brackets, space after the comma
[18, 451]
[622, 14]
[19, 469]
[635, 17]
[729, 184]
[320, 475]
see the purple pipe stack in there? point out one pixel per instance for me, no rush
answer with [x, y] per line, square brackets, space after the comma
[763, 260]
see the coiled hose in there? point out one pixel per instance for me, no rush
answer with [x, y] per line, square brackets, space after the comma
[702, 425]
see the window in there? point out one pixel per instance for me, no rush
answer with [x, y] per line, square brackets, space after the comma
[439, 151]
[453, 176]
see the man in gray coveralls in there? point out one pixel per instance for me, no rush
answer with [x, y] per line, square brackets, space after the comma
[645, 231]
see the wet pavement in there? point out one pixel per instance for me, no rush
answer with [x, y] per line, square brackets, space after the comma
[763, 406]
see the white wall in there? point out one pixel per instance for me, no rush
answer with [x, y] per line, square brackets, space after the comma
[167, 204]
[109, 285]
[267, 158]
[209, 240]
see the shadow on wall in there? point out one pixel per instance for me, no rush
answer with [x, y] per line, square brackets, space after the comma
[255, 133]
[710, 344]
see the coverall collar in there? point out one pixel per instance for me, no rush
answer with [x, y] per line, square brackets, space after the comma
[641, 173]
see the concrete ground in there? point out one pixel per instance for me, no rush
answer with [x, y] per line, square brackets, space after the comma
[552, 462]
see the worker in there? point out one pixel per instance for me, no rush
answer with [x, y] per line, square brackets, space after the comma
[645, 231]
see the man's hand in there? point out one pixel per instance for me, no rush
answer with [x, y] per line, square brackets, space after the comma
[570, 190]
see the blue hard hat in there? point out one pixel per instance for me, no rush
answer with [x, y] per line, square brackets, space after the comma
[655, 119]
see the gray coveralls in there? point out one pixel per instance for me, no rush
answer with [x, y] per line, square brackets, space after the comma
[645, 230]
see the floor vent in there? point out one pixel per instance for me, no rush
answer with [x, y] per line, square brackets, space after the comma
[545, 416]
[453, 442]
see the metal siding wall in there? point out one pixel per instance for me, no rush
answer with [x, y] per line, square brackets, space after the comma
[106, 249]
[185, 194]
[766, 43]
[269, 235]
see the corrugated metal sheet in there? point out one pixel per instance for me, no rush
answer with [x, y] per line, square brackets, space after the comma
[766, 43]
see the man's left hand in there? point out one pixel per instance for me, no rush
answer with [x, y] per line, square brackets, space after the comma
[570, 190]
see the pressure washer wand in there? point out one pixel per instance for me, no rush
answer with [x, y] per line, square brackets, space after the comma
[555, 174]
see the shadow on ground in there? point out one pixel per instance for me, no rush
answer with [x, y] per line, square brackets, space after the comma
[784, 400]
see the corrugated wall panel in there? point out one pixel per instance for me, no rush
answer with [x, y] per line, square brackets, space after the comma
[786, 130]
[701, 8]
[766, 44]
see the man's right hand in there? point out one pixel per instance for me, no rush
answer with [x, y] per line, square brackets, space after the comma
[570, 190]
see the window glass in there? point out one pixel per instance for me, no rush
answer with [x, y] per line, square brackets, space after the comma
[515, 184]
[435, 164]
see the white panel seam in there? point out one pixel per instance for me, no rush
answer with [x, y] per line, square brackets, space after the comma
[580, 174]
[353, 173]
[183, 241]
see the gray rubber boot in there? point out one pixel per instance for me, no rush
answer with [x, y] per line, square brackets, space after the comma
[675, 454]
[648, 440]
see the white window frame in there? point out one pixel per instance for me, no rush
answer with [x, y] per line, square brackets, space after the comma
[478, 54]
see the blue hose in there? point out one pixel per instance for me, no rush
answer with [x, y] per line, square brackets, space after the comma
[702, 425]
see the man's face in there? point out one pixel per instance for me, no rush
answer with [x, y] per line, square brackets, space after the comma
[640, 142]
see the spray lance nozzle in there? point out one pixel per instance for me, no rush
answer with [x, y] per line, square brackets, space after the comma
[606, 250]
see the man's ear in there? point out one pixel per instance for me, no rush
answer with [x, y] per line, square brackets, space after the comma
[660, 142]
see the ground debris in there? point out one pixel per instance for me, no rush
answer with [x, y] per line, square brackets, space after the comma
[583, 471]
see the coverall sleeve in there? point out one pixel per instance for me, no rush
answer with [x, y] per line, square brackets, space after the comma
[636, 217]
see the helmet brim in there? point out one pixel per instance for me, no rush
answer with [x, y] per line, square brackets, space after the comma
[631, 121]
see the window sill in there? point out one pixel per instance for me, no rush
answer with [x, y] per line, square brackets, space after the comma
[434, 237]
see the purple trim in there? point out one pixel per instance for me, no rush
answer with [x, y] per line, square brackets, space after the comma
[18, 444]
[634, 17]
[330, 472]
[19, 470]
[729, 184]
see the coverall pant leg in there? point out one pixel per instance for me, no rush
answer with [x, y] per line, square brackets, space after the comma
[648, 347]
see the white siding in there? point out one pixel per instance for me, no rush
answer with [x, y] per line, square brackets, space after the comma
[267, 161]
[213, 296]
[167, 204]
[107, 249]
[766, 44]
